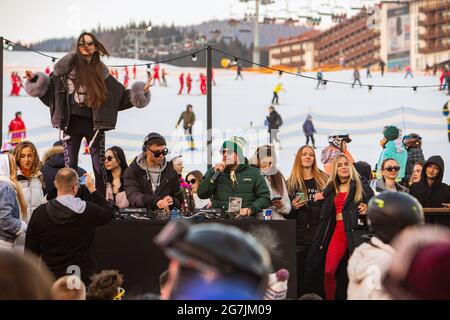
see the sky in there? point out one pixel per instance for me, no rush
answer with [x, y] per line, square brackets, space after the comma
[32, 21]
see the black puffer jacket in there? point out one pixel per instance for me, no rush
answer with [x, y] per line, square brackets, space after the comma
[138, 187]
[307, 220]
[53, 161]
[435, 195]
[354, 228]
[54, 93]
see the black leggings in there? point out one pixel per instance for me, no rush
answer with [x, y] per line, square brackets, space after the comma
[312, 140]
[97, 151]
[275, 98]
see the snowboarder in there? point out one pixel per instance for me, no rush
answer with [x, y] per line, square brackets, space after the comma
[368, 74]
[188, 118]
[319, 76]
[278, 88]
[408, 72]
[239, 72]
[309, 130]
[382, 64]
[274, 122]
[156, 74]
[356, 77]
[17, 129]
[181, 79]
[134, 72]
[189, 83]
[84, 101]
[445, 111]
[202, 83]
[163, 77]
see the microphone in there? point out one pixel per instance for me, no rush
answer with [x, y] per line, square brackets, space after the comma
[214, 177]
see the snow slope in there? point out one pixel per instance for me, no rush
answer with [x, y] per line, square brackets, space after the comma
[238, 104]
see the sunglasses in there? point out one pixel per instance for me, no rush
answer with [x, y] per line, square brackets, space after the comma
[87, 44]
[158, 154]
[192, 181]
[392, 168]
[109, 158]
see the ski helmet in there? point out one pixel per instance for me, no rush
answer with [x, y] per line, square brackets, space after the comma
[215, 247]
[389, 213]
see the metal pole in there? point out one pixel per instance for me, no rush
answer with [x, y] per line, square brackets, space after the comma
[209, 104]
[1, 91]
[136, 45]
[256, 35]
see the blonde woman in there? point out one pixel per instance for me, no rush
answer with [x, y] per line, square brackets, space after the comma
[305, 181]
[342, 222]
[13, 209]
[29, 175]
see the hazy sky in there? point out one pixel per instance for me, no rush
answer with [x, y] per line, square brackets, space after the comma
[41, 19]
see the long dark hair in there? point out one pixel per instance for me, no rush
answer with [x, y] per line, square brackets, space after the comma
[277, 180]
[121, 160]
[89, 75]
[197, 175]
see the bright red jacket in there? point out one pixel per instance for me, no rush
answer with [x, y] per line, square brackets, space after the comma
[16, 124]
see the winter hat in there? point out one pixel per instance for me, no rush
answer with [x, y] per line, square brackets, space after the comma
[391, 133]
[236, 144]
[428, 277]
[277, 285]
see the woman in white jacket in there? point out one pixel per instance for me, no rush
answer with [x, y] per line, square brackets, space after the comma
[266, 160]
[29, 175]
[12, 203]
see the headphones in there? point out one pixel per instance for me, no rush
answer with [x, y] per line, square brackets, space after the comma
[152, 136]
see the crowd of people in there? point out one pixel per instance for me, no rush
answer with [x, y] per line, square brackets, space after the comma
[359, 230]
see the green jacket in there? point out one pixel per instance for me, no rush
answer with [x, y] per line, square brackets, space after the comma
[251, 187]
[188, 118]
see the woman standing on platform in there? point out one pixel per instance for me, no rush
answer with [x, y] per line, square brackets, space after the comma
[306, 180]
[341, 227]
[84, 101]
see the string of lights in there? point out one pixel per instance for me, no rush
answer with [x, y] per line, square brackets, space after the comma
[324, 81]
[193, 55]
[280, 72]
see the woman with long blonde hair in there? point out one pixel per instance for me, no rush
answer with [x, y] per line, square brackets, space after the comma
[29, 175]
[306, 180]
[13, 209]
[342, 223]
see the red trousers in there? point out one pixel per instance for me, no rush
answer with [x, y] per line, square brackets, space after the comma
[336, 251]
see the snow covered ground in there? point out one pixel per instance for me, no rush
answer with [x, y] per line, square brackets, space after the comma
[240, 107]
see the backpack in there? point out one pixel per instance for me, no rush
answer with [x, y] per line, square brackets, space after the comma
[279, 121]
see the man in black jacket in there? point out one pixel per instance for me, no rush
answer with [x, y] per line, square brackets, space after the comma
[274, 122]
[62, 230]
[150, 181]
[430, 191]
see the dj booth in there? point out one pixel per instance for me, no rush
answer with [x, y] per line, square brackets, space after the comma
[127, 245]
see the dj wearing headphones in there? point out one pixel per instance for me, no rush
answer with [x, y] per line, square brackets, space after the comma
[150, 181]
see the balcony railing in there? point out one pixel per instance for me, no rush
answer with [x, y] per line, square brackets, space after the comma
[286, 54]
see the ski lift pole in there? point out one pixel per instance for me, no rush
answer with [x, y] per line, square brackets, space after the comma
[1, 91]
[209, 105]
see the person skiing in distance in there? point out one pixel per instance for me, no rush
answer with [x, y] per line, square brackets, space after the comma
[189, 83]
[181, 79]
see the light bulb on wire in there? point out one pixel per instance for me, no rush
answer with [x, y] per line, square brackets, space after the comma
[194, 57]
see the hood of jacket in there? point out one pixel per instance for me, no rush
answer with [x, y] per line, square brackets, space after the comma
[54, 157]
[64, 66]
[65, 209]
[140, 161]
[437, 160]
